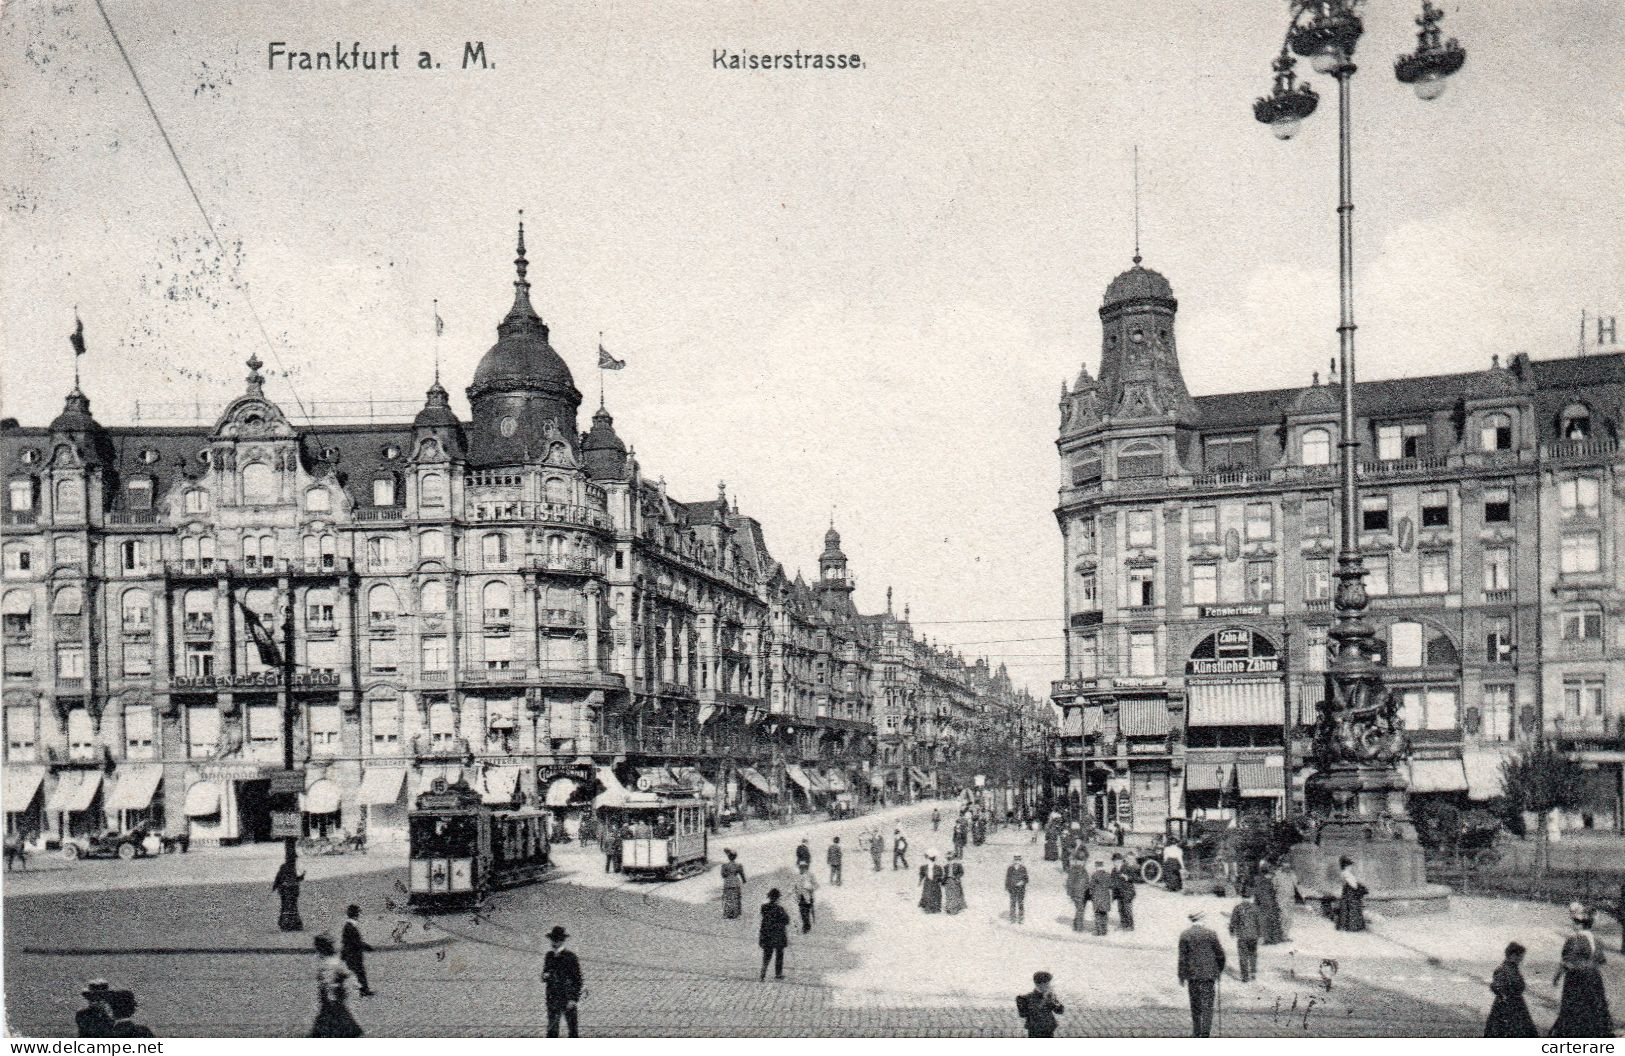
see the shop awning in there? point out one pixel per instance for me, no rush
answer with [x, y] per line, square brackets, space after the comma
[655, 777]
[75, 789]
[756, 780]
[1093, 721]
[22, 785]
[427, 774]
[1235, 703]
[614, 793]
[1259, 781]
[1483, 773]
[381, 785]
[691, 776]
[1072, 725]
[135, 787]
[837, 781]
[322, 797]
[795, 774]
[1143, 718]
[203, 799]
[1208, 775]
[1436, 775]
[919, 775]
[559, 791]
[501, 784]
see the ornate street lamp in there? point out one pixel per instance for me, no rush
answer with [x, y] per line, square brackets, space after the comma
[1357, 791]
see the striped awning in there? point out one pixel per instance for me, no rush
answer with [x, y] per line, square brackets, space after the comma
[691, 776]
[1144, 718]
[1072, 725]
[21, 786]
[1483, 773]
[1258, 780]
[1235, 703]
[1094, 720]
[1208, 775]
[1436, 775]
[795, 774]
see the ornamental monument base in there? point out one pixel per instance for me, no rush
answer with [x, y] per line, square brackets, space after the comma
[1360, 813]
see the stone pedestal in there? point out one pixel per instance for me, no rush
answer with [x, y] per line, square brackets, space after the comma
[1362, 815]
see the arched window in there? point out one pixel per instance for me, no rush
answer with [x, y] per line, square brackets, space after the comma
[382, 605]
[1140, 460]
[309, 547]
[68, 602]
[198, 609]
[251, 552]
[259, 484]
[1496, 433]
[432, 545]
[555, 548]
[1317, 447]
[494, 549]
[318, 500]
[1575, 423]
[497, 601]
[432, 490]
[556, 489]
[18, 607]
[70, 498]
[136, 609]
[432, 598]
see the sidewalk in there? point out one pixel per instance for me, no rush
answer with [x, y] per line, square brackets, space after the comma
[202, 865]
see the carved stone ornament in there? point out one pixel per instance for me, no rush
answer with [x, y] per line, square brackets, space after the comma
[1359, 723]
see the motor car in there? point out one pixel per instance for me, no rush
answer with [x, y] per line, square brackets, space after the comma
[125, 846]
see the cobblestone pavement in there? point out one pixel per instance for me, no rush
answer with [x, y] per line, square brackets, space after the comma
[659, 958]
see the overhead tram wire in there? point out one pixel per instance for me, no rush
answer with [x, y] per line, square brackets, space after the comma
[191, 189]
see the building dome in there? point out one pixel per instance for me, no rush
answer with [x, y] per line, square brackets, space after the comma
[1138, 284]
[522, 357]
[75, 416]
[603, 455]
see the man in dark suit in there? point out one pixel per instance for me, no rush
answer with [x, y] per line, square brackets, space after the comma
[1123, 889]
[95, 1020]
[1039, 1008]
[1201, 962]
[1015, 883]
[803, 853]
[774, 934]
[1100, 893]
[1244, 925]
[351, 948]
[833, 857]
[561, 973]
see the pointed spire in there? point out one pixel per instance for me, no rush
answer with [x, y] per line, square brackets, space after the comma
[1136, 205]
[522, 312]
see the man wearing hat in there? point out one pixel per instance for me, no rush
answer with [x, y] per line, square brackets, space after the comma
[561, 973]
[1100, 893]
[95, 1020]
[1039, 1008]
[1015, 883]
[1201, 962]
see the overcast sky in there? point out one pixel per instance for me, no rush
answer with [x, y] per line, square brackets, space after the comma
[856, 290]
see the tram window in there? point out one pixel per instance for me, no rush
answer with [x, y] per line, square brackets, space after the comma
[442, 837]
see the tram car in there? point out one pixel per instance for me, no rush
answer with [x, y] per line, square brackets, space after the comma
[663, 834]
[462, 848]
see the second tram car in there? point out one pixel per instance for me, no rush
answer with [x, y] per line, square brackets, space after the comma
[663, 835]
[462, 848]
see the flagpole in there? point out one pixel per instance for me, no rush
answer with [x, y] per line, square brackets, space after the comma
[438, 325]
[601, 366]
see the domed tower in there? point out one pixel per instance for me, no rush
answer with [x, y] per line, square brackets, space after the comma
[1139, 359]
[603, 455]
[77, 426]
[437, 421]
[834, 581]
[523, 398]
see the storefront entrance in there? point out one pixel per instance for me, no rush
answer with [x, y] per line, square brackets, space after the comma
[253, 810]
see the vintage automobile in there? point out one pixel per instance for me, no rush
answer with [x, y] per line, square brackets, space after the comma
[111, 844]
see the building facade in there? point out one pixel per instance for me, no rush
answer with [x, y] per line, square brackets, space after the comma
[1200, 542]
[507, 599]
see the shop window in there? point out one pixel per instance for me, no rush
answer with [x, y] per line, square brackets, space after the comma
[1435, 509]
[1317, 447]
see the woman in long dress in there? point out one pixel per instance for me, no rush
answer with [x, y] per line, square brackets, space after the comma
[931, 879]
[953, 887]
[1270, 930]
[1509, 1014]
[1351, 906]
[1583, 1010]
[333, 1019]
[733, 887]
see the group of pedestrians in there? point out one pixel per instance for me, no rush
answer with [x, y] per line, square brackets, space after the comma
[1099, 889]
[942, 885]
[1582, 1010]
[108, 1013]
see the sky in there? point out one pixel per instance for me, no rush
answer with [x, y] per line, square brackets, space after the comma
[852, 291]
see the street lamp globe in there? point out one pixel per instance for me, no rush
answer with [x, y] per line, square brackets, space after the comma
[1327, 61]
[1430, 88]
[1285, 128]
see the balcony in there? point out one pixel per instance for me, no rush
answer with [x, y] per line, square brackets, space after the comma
[321, 625]
[433, 678]
[495, 675]
[380, 513]
[1400, 467]
[71, 685]
[1230, 477]
[21, 518]
[1565, 450]
[562, 618]
[1500, 597]
[198, 626]
[1587, 728]
[135, 518]
[194, 568]
[562, 565]
[497, 619]
[137, 628]
[424, 746]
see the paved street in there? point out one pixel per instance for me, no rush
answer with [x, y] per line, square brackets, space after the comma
[659, 958]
